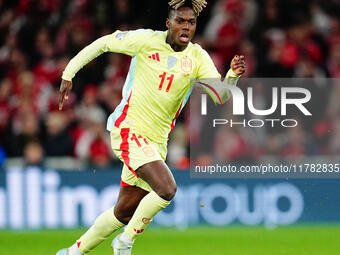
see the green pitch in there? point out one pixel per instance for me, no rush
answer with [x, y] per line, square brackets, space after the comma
[294, 240]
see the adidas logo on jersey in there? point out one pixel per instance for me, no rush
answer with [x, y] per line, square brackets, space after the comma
[155, 57]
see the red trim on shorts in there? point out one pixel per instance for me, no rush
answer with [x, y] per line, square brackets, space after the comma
[122, 117]
[124, 146]
[124, 184]
[177, 113]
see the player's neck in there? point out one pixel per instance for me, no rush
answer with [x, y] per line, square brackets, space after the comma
[173, 45]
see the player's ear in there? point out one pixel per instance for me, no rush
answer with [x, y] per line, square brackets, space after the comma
[167, 23]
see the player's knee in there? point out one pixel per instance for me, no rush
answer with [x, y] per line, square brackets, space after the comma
[168, 192]
[123, 216]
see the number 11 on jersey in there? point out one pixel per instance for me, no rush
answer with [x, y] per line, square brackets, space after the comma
[169, 78]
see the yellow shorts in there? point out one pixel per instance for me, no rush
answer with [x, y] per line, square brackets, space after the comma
[135, 150]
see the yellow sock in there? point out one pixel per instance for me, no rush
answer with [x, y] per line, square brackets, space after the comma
[103, 227]
[148, 207]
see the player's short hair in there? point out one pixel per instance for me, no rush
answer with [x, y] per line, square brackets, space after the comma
[196, 5]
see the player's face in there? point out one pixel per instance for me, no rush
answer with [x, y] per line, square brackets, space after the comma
[182, 26]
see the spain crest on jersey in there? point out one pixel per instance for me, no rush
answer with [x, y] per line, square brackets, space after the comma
[186, 65]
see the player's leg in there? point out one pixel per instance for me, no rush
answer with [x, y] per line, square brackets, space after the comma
[159, 177]
[111, 220]
[108, 222]
[163, 185]
[128, 200]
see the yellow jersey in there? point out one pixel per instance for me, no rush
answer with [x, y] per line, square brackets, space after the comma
[159, 81]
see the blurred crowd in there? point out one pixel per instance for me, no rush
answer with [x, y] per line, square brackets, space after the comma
[279, 38]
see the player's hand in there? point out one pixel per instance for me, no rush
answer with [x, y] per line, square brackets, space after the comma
[238, 65]
[65, 88]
